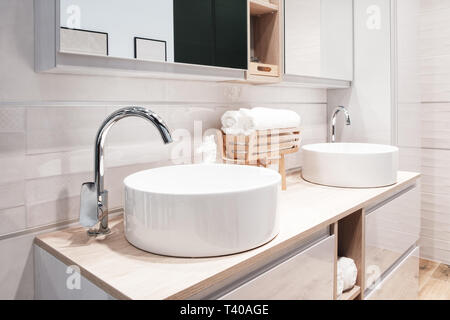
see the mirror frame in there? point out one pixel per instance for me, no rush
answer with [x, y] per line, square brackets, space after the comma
[49, 59]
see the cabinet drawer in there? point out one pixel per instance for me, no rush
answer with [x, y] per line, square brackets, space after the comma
[392, 227]
[307, 275]
[400, 284]
[260, 69]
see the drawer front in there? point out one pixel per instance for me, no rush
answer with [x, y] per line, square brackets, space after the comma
[402, 283]
[391, 229]
[307, 275]
[260, 69]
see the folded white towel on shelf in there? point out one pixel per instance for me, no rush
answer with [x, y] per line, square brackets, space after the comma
[346, 274]
[247, 121]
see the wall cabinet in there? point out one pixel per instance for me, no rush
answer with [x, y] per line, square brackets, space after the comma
[211, 32]
[265, 41]
[319, 38]
[211, 40]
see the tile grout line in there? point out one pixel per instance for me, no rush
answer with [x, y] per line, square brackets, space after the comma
[53, 226]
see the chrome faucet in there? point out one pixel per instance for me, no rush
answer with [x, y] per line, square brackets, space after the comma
[94, 198]
[333, 121]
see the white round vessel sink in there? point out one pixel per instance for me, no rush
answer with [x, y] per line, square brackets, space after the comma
[351, 165]
[201, 210]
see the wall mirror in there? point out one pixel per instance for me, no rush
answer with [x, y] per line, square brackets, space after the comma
[203, 32]
[319, 38]
[211, 40]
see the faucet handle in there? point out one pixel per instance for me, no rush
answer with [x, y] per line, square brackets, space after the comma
[88, 205]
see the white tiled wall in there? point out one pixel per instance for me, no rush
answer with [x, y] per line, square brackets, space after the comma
[47, 128]
[424, 114]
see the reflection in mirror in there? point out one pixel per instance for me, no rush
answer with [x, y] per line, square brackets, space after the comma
[141, 29]
[319, 38]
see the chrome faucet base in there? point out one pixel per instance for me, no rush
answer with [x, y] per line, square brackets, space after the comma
[103, 228]
[97, 232]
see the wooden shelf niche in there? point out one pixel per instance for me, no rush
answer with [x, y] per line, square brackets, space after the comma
[264, 53]
[350, 244]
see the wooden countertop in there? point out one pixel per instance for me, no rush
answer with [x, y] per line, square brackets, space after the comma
[126, 272]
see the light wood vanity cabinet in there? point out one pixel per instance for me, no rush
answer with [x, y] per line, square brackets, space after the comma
[392, 227]
[402, 283]
[308, 275]
[378, 228]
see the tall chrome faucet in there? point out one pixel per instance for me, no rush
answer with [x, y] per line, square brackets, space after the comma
[94, 198]
[333, 121]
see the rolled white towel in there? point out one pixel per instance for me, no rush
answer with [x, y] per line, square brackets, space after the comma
[246, 121]
[265, 118]
[346, 267]
[230, 119]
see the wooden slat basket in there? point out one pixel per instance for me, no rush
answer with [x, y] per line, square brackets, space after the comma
[262, 148]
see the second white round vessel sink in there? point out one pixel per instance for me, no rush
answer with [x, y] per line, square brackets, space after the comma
[201, 210]
[350, 165]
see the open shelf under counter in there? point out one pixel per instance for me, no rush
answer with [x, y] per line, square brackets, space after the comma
[258, 7]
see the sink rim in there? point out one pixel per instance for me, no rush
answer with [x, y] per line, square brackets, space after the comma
[275, 178]
[351, 165]
[377, 149]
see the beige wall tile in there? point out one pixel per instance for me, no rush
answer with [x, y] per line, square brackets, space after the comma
[44, 165]
[409, 125]
[433, 5]
[57, 129]
[434, 249]
[434, 32]
[51, 212]
[435, 216]
[54, 188]
[13, 168]
[12, 220]
[12, 195]
[12, 120]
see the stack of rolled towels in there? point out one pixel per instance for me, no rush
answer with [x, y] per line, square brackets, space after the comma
[346, 274]
[247, 121]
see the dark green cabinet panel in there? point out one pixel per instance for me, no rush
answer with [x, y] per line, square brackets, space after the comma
[211, 32]
[231, 33]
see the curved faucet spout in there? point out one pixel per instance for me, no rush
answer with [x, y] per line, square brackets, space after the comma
[333, 121]
[109, 122]
[93, 211]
